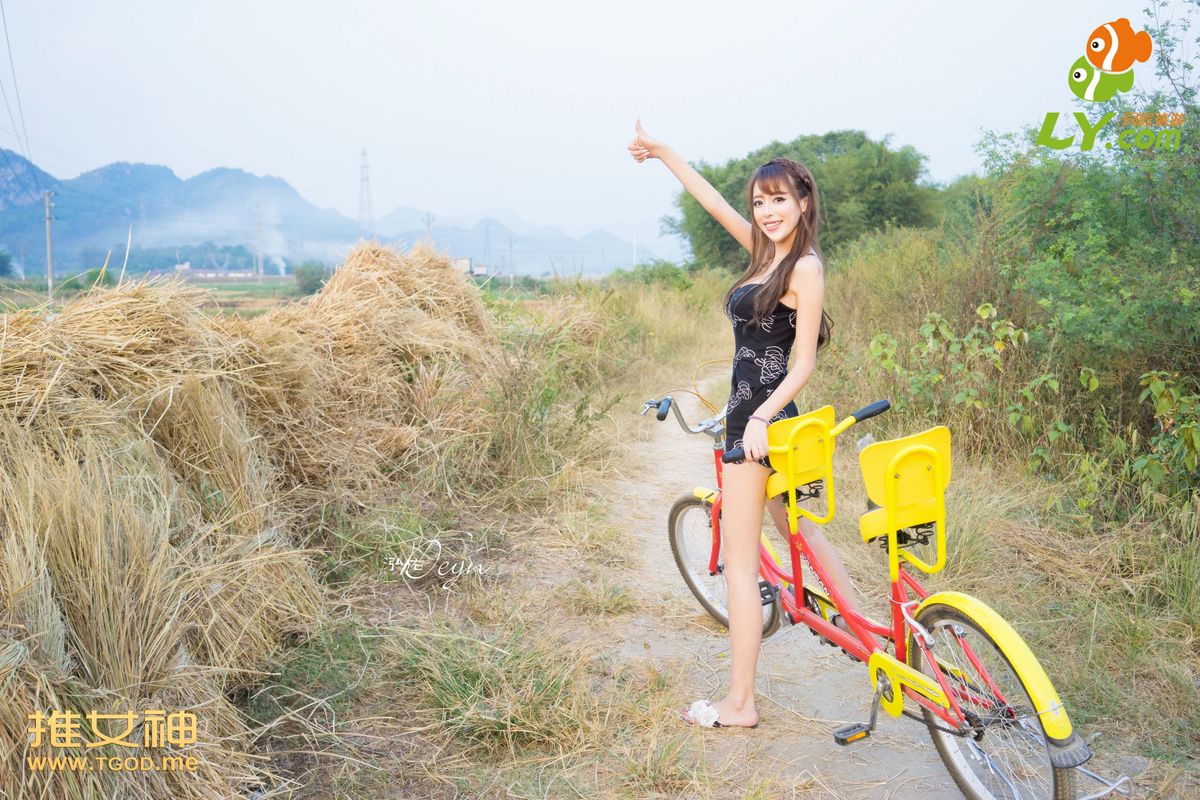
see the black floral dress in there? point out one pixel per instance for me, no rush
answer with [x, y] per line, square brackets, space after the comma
[759, 362]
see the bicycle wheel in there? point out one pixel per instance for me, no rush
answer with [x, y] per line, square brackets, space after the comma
[1007, 755]
[689, 528]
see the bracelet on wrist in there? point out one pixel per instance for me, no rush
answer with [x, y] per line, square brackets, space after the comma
[760, 419]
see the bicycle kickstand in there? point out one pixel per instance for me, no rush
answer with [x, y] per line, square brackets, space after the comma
[1122, 785]
[860, 730]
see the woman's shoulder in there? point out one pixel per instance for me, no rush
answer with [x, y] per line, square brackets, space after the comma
[808, 268]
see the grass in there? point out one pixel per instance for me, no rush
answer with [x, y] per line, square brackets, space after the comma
[323, 673]
[1111, 617]
[472, 678]
[496, 690]
[1109, 606]
[600, 596]
[469, 686]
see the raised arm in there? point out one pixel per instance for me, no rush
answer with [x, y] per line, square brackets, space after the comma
[643, 147]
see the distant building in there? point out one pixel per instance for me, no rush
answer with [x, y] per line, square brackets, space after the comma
[470, 266]
[185, 267]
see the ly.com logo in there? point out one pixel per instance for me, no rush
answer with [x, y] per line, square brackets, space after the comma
[1104, 69]
[1106, 66]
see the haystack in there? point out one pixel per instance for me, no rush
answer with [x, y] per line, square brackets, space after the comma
[157, 467]
[384, 371]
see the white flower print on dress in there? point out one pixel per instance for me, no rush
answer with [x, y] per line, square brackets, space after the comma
[792, 319]
[729, 307]
[744, 352]
[773, 363]
[743, 392]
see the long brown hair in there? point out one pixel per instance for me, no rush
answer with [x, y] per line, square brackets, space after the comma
[782, 176]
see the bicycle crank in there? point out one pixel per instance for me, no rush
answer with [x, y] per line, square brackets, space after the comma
[861, 730]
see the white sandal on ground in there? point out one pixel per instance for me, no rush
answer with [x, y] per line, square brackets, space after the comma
[705, 713]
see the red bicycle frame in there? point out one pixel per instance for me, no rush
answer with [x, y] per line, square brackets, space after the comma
[865, 635]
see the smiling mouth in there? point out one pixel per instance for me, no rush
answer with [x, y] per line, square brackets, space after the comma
[771, 226]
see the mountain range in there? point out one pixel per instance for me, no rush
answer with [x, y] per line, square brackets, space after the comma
[92, 214]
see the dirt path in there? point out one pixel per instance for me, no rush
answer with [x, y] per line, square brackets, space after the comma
[805, 689]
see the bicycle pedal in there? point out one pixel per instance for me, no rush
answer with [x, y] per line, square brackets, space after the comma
[851, 733]
[767, 591]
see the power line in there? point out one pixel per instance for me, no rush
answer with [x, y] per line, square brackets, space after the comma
[17, 92]
[19, 176]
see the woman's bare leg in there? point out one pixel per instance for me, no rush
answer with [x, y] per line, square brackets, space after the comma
[823, 549]
[742, 492]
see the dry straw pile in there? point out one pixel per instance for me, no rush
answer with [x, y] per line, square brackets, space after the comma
[159, 469]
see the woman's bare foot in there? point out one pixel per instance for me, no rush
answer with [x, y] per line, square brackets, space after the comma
[730, 715]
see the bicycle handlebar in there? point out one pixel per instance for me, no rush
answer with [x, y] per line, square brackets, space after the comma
[712, 426]
[864, 413]
[873, 410]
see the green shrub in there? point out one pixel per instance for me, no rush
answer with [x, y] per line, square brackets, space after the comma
[310, 277]
[658, 271]
[87, 280]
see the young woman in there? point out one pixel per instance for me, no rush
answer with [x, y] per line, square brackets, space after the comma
[778, 301]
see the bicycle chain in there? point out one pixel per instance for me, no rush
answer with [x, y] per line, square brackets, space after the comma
[941, 728]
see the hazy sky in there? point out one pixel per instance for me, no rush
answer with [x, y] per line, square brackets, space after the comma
[467, 106]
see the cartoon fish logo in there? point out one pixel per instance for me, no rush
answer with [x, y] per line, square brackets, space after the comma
[1113, 47]
[1089, 83]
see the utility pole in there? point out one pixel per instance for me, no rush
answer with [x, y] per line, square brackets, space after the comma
[511, 268]
[428, 225]
[258, 239]
[366, 215]
[49, 253]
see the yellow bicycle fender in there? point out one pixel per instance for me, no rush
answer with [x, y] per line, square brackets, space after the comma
[705, 494]
[1045, 699]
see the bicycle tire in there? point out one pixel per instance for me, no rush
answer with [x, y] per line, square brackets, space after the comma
[689, 531]
[1014, 743]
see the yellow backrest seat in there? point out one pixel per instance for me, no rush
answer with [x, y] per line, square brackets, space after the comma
[873, 524]
[907, 478]
[800, 450]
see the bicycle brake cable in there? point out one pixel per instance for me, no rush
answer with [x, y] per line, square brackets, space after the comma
[696, 381]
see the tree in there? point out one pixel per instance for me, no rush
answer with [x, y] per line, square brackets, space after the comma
[6, 267]
[863, 186]
[310, 277]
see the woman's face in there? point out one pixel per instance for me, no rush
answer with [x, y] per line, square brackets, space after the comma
[777, 215]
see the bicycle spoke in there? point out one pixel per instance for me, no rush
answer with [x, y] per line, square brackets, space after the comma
[691, 537]
[1010, 759]
[996, 770]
